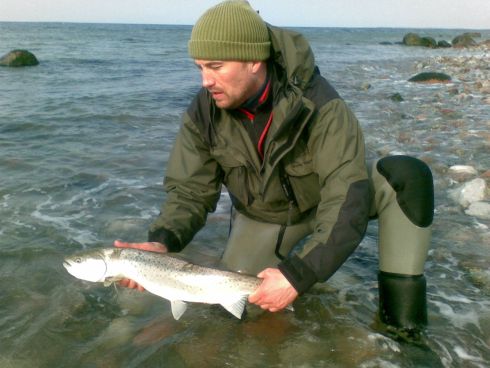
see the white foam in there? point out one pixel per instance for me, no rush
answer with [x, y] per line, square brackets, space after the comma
[460, 318]
[6, 200]
[454, 298]
[385, 342]
[463, 354]
[64, 223]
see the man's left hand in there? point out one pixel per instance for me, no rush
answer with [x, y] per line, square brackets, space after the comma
[275, 292]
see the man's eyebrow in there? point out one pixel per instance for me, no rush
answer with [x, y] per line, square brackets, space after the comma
[209, 64]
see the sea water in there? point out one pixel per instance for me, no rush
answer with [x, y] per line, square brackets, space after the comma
[84, 141]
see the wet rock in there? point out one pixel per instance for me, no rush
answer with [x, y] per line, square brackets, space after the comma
[483, 86]
[412, 39]
[472, 34]
[485, 44]
[443, 44]
[365, 86]
[470, 192]
[462, 173]
[453, 91]
[464, 40]
[405, 137]
[479, 209]
[430, 77]
[478, 273]
[428, 42]
[396, 97]
[451, 114]
[486, 175]
[17, 58]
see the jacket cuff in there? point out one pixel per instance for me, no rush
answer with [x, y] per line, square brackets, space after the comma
[167, 238]
[298, 274]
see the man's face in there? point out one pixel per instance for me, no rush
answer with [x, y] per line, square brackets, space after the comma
[230, 83]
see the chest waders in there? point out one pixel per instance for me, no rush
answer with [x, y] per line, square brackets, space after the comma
[254, 246]
[403, 203]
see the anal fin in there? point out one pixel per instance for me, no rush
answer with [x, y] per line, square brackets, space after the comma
[178, 308]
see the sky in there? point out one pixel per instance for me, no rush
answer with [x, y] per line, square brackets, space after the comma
[467, 14]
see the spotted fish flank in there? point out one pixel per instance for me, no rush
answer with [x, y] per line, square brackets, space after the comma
[166, 276]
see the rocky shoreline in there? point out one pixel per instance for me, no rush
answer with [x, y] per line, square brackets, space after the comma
[471, 75]
[468, 183]
[461, 41]
[471, 70]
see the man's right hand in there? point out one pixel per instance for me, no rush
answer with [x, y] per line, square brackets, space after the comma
[148, 246]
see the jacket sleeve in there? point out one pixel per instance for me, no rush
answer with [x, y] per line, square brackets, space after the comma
[192, 185]
[337, 147]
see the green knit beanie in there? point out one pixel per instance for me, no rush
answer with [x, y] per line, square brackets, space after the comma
[231, 30]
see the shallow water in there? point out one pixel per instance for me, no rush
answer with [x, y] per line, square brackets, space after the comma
[84, 138]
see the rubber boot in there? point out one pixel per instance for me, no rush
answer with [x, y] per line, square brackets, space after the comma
[402, 300]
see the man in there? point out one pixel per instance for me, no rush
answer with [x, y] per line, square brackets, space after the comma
[270, 128]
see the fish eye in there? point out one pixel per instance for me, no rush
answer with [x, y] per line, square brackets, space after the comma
[78, 260]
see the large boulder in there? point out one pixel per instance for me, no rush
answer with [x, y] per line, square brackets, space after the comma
[464, 40]
[429, 42]
[473, 34]
[18, 58]
[413, 39]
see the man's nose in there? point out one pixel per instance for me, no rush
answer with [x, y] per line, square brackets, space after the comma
[207, 80]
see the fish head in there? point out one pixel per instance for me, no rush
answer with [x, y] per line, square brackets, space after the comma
[88, 266]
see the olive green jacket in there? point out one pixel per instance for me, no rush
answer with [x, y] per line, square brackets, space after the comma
[314, 140]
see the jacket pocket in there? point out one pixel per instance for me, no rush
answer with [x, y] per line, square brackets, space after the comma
[236, 179]
[304, 181]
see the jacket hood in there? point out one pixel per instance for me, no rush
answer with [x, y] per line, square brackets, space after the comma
[293, 53]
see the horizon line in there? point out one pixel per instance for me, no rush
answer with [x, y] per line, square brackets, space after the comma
[285, 26]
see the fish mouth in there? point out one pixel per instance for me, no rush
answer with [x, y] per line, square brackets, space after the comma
[66, 264]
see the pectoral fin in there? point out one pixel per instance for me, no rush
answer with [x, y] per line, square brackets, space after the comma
[178, 308]
[111, 280]
[236, 308]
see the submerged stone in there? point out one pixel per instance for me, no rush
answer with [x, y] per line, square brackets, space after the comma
[479, 209]
[478, 273]
[470, 192]
[462, 173]
[17, 58]
[430, 77]
[396, 97]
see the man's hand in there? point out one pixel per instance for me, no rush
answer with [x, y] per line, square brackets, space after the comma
[148, 246]
[275, 292]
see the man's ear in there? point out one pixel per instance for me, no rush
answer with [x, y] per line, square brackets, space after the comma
[257, 66]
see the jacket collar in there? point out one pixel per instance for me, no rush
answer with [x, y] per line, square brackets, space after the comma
[292, 52]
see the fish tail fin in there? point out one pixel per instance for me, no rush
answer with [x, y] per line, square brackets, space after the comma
[236, 307]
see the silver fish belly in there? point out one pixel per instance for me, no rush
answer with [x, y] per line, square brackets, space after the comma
[166, 276]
